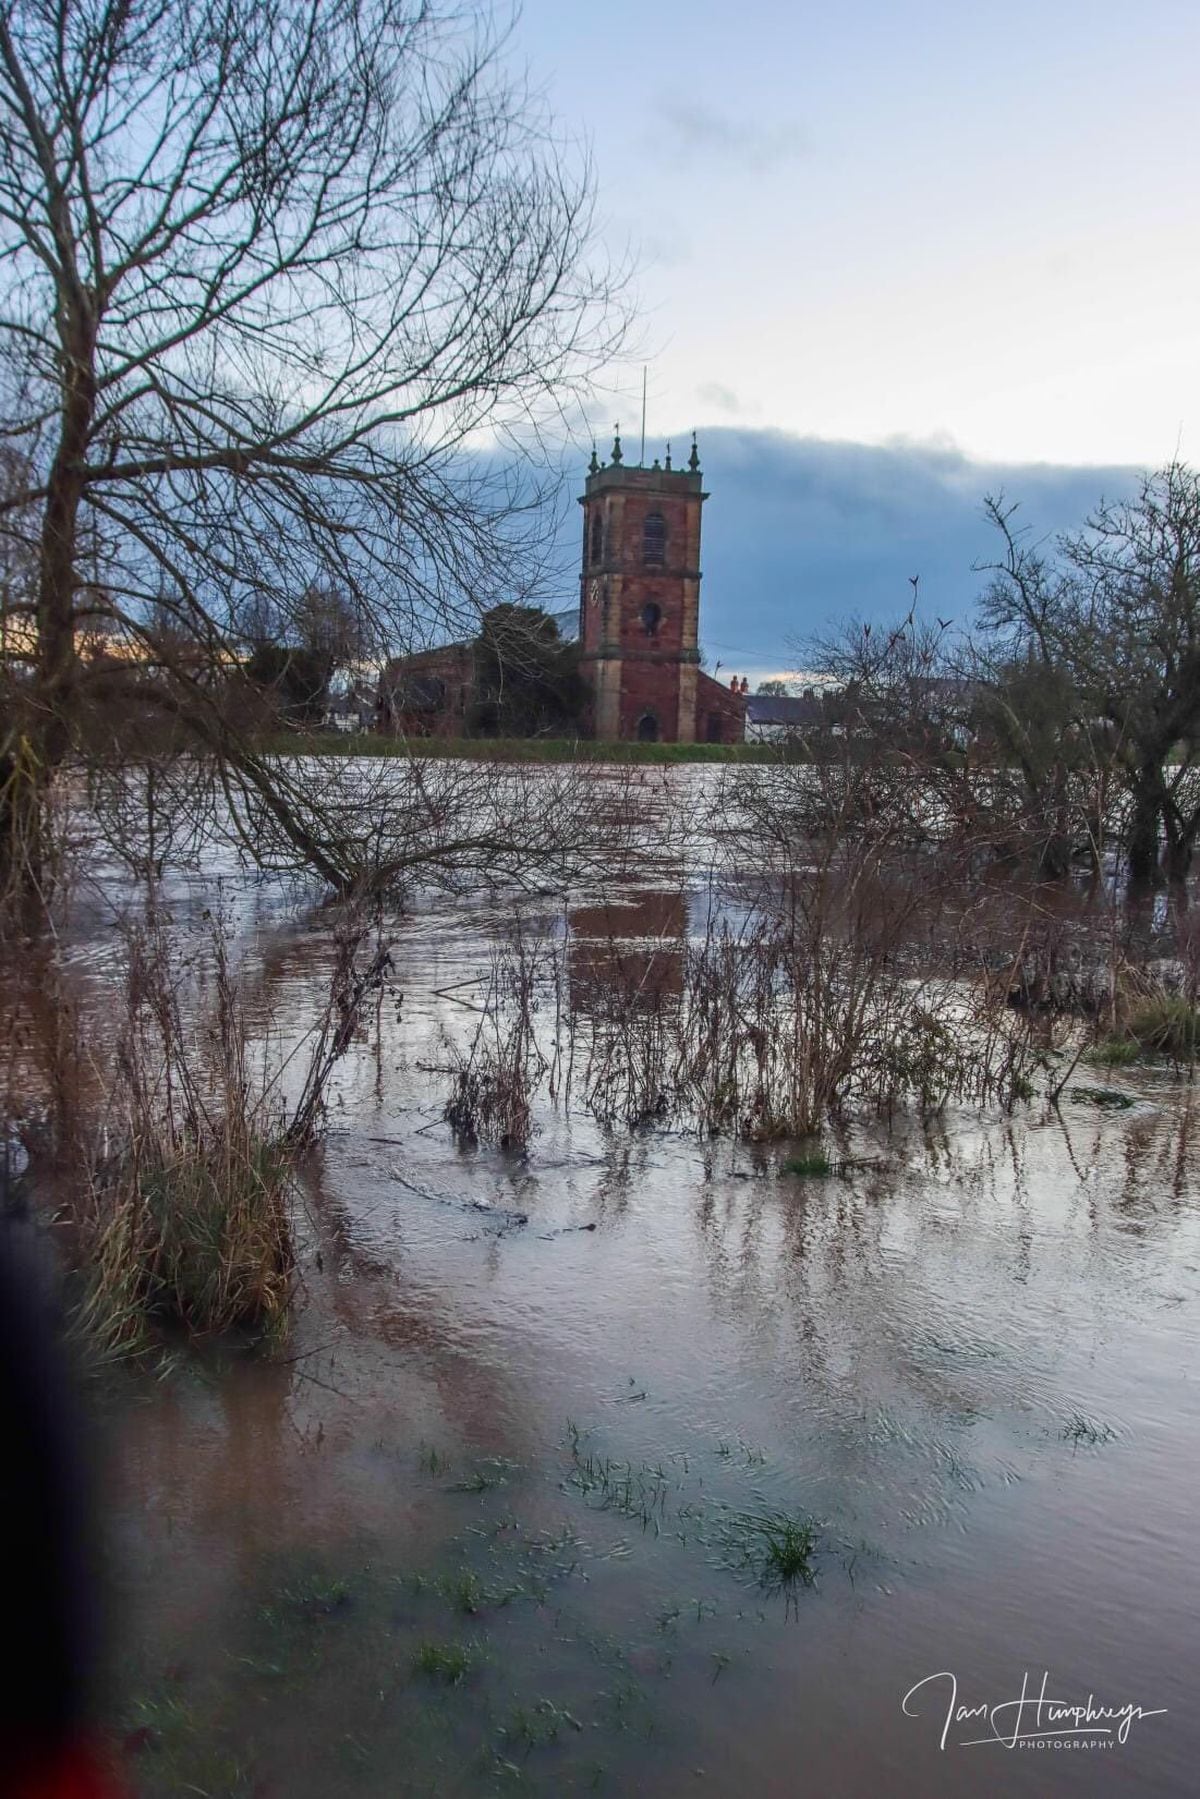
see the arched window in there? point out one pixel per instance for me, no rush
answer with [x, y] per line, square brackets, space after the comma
[597, 538]
[647, 728]
[654, 540]
[651, 618]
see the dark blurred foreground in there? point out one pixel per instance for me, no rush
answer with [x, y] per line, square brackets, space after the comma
[47, 1747]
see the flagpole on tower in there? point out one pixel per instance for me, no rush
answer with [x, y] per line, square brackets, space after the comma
[642, 457]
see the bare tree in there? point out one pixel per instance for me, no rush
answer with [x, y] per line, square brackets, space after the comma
[271, 267]
[1114, 616]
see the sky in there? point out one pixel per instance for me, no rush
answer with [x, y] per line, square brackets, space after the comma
[801, 533]
[938, 230]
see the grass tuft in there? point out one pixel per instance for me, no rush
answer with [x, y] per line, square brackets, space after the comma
[1168, 1026]
[814, 1165]
[779, 1549]
[1110, 1097]
[1114, 1052]
[449, 1663]
[1081, 1429]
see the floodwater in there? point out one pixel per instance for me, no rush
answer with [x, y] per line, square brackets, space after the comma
[483, 1526]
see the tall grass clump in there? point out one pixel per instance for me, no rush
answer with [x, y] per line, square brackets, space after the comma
[185, 1219]
[1168, 1025]
[1152, 1015]
[181, 1181]
[496, 1075]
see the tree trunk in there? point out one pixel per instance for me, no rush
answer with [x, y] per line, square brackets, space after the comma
[1181, 844]
[1142, 842]
[52, 689]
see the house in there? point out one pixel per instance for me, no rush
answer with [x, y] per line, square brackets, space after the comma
[773, 718]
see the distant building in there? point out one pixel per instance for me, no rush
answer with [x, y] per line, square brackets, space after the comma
[352, 709]
[772, 717]
[430, 693]
[639, 607]
[638, 623]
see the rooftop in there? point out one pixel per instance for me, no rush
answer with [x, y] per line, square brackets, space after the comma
[794, 710]
[660, 477]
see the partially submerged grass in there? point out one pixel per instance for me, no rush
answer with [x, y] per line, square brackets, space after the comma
[195, 1236]
[1163, 1025]
[1114, 1052]
[608, 1485]
[813, 1164]
[1081, 1429]
[495, 1078]
[316, 1596]
[465, 1592]
[532, 1727]
[489, 1474]
[763, 1027]
[1110, 1097]
[187, 1216]
[448, 1663]
[1166, 1026]
[180, 1216]
[778, 1548]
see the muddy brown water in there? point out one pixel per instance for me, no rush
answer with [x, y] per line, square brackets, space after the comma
[482, 1528]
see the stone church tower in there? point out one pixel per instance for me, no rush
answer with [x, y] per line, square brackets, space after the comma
[639, 609]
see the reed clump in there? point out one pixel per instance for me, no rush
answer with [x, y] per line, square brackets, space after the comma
[186, 1217]
[1168, 1025]
[181, 1177]
[1151, 1017]
[496, 1076]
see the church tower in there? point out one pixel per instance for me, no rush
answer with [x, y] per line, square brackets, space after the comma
[639, 609]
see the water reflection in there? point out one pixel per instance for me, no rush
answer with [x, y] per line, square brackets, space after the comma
[969, 1355]
[631, 944]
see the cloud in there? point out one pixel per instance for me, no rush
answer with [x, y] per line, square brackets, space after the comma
[722, 398]
[700, 129]
[800, 533]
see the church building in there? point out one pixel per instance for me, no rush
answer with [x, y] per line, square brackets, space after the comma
[639, 608]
